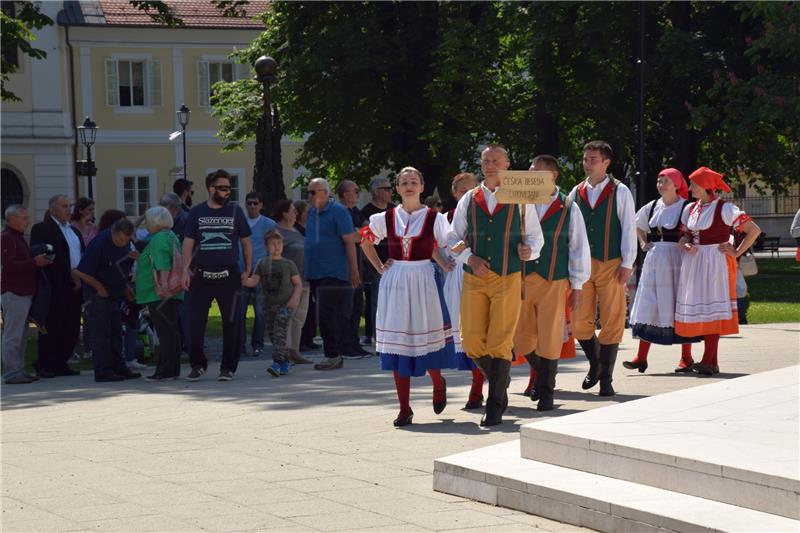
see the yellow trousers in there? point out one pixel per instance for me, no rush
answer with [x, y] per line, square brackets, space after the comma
[489, 314]
[604, 290]
[541, 318]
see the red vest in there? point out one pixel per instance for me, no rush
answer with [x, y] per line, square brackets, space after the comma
[420, 248]
[718, 232]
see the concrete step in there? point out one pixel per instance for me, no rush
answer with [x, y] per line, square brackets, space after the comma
[499, 475]
[734, 441]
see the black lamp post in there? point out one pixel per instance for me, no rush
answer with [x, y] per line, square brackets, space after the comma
[87, 134]
[265, 180]
[183, 120]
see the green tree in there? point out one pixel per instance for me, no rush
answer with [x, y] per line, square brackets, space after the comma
[378, 85]
[17, 22]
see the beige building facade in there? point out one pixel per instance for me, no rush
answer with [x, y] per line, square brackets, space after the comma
[111, 63]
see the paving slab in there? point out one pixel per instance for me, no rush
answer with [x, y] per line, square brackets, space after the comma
[257, 442]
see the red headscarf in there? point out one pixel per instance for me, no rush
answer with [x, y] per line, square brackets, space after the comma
[677, 178]
[708, 179]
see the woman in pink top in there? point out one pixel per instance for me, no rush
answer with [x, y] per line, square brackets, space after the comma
[82, 219]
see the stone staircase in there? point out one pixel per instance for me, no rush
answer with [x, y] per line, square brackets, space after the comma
[718, 457]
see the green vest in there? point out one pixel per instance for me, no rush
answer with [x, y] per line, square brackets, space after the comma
[494, 238]
[553, 261]
[602, 224]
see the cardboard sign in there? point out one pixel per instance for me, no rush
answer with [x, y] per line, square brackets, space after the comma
[524, 187]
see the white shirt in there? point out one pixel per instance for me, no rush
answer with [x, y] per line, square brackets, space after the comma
[702, 218]
[580, 257]
[626, 212]
[458, 229]
[664, 216]
[409, 225]
[73, 242]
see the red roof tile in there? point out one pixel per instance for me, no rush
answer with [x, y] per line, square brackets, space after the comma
[195, 14]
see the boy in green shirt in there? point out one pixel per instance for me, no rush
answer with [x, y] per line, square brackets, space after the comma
[279, 282]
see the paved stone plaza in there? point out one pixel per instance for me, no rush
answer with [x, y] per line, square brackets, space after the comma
[311, 451]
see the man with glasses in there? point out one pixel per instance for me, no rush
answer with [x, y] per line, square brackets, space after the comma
[331, 268]
[259, 226]
[381, 190]
[212, 232]
[348, 193]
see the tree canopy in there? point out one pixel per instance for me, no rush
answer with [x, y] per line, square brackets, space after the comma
[377, 85]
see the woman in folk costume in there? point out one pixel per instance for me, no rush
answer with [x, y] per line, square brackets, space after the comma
[412, 326]
[705, 304]
[653, 312]
[453, 285]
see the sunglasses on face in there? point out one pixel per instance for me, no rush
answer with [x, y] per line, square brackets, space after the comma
[253, 202]
[223, 188]
[384, 188]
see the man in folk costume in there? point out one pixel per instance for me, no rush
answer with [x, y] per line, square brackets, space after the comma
[564, 264]
[491, 240]
[609, 214]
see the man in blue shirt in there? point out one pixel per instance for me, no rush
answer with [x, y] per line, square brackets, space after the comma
[259, 225]
[331, 268]
[105, 271]
[211, 240]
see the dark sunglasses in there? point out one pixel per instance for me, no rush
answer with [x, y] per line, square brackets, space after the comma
[384, 188]
[253, 202]
[222, 188]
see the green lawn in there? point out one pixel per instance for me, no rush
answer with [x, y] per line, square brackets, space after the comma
[774, 292]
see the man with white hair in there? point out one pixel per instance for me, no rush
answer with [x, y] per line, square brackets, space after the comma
[62, 326]
[17, 287]
[331, 268]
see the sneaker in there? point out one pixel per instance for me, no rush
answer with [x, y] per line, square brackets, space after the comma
[225, 375]
[257, 352]
[366, 341]
[18, 380]
[274, 370]
[196, 373]
[284, 368]
[330, 363]
[135, 365]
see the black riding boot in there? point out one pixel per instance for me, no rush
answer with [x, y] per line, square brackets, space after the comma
[497, 400]
[484, 364]
[546, 383]
[608, 356]
[534, 361]
[591, 347]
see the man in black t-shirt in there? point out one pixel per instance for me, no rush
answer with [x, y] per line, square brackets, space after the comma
[381, 190]
[210, 247]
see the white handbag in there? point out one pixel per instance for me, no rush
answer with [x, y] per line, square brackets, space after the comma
[748, 266]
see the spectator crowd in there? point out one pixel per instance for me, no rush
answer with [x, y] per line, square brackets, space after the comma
[95, 287]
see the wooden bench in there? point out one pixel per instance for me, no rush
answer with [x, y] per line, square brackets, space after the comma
[771, 244]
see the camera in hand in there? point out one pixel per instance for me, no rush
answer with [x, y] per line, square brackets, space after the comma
[49, 252]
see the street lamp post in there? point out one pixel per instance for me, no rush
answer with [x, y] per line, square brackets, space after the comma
[264, 180]
[183, 120]
[87, 134]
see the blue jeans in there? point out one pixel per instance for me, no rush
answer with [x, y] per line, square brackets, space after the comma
[257, 339]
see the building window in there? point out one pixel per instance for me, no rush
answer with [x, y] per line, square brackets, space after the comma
[135, 195]
[209, 73]
[10, 53]
[133, 82]
[12, 192]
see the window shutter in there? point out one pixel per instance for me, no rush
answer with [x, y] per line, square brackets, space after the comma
[112, 86]
[154, 82]
[203, 84]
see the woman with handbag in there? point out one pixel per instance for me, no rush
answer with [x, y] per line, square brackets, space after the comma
[706, 299]
[158, 286]
[653, 311]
